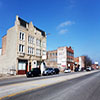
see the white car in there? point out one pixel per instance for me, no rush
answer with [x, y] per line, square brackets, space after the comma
[67, 70]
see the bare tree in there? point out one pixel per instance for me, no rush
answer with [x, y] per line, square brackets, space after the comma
[87, 61]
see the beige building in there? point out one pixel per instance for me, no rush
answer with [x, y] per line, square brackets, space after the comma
[0, 51]
[23, 48]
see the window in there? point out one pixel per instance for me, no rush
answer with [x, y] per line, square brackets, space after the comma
[30, 39]
[38, 52]
[21, 48]
[44, 44]
[30, 50]
[56, 54]
[38, 42]
[44, 52]
[22, 36]
[21, 66]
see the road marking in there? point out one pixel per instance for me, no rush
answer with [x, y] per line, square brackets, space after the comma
[40, 86]
[3, 97]
[43, 85]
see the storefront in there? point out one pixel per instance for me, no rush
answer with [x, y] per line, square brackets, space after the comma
[22, 66]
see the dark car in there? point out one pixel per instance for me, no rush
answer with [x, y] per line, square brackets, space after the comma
[33, 72]
[56, 70]
[76, 69]
[48, 71]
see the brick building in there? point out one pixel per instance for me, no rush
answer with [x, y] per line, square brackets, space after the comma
[79, 61]
[62, 58]
[23, 48]
[95, 65]
[51, 59]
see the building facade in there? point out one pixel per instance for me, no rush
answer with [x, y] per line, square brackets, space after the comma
[61, 58]
[23, 48]
[79, 61]
[0, 50]
[51, 59]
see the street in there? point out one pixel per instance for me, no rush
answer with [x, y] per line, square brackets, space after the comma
[9, 81]
[72, 87]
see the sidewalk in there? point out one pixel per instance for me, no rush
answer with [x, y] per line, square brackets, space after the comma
[7, 76]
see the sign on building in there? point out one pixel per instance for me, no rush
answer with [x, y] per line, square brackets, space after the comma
[61, 57]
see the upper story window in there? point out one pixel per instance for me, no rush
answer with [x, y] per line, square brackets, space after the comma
[70, 54]
[38, 42]
[21, 48]
[22, 36]
[38, 52]
[44, 44]
[30, 50]
[44, 52]
[30, 39]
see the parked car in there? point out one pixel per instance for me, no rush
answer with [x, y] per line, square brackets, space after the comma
[33, 72]
[88, 69]
[48, 71]
[67, 70]
[76, 69]
[56, 70]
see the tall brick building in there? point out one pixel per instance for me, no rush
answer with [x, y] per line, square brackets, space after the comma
[23, 48]
[62, 58]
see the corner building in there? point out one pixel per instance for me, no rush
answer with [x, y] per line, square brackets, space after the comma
[23, 48]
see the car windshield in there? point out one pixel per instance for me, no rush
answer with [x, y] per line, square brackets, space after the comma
[67, 69]
[47, 69]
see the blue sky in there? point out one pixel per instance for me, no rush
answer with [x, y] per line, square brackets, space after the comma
[73, 23]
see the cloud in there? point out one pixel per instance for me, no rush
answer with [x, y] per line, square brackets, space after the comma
[66, 23]
[70, 3]
[63, 31]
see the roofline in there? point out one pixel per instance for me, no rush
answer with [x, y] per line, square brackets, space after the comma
[4, 35]
[28, 23]
[51, 50]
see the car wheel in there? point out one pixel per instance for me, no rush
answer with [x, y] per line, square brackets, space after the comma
[47, 74]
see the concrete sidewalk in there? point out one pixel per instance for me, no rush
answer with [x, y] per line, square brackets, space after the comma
[2, 77]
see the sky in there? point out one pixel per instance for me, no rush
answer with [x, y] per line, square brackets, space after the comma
[73, 23]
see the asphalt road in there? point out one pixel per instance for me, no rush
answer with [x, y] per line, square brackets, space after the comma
[82, 88]
[4, 82]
